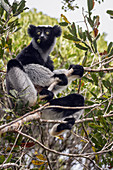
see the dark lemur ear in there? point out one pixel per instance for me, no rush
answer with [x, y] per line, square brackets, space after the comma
[57, 30]
[31, 30]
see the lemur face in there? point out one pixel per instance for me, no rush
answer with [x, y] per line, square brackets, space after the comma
[44, 36]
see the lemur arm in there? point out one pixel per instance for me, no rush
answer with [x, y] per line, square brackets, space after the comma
[74, 71]
[63, 71]
[42, 78]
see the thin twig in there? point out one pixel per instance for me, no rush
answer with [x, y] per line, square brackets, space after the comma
[41, 131]
[84, 148]
[85, 155]
[98, 70]
[87, 136]
[77, 121]
[11, 148]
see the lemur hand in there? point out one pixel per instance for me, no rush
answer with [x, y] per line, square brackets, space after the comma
[63, 79]
[46, 94]
[77, 70]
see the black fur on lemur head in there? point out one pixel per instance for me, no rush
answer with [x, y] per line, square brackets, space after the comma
[44, 36]
[43, 41]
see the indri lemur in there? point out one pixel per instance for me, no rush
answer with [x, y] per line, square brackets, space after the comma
[32, 72]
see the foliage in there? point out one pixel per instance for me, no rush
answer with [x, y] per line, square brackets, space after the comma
[76, 46]
[110, 12]
[68, 5]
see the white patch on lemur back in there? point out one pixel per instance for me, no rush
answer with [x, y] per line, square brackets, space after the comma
[44, 55]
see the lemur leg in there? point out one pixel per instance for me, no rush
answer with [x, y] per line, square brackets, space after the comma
[66, 114]
[17, 79]
[56, 113]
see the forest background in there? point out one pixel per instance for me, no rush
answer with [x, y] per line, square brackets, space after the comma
[24, 142]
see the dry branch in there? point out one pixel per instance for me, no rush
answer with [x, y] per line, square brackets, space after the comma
[97, 70]
[8, 165]
[34, 115]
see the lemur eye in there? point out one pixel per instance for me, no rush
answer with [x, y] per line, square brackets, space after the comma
[47, 32]
[38, 32]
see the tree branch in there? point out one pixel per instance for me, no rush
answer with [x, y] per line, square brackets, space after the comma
[85, 155]
[34, 115]
[97, 70]
[7, 165]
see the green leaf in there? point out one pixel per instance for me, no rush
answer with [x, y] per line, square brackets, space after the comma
[110, 12]
[17, 29]
[21, 5]
[80, 32]
[97, 36]
[6, 15]
[107, 83]
[109, 47]
[89, 102]
[73, 29]
[90, 21]
[92, 125]
[9, 42]
[88, 80]
[103, 121]
[42, 167]
[14, 7]
[88, 36]
[101, 74]
[95, 78]
[21, 8]
[84, 36]
[73, 26]
[81, 47]
[90, 5]
[84, 60]
[1, 52]
[111, 53]
[95, 46]
[2, 158]
[63, 24]
[95, 96]
[1, 11]
[9, 158]
[12, 23]
[3, 42]
[71, 37]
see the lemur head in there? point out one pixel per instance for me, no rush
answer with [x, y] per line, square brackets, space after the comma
[44, 36]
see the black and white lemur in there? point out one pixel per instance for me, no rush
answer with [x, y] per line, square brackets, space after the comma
[32, 72]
